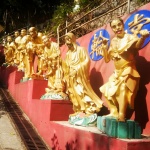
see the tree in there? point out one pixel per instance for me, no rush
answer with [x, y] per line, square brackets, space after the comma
[15, 14]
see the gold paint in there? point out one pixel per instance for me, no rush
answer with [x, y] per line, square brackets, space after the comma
[76, 69]
[122, 86]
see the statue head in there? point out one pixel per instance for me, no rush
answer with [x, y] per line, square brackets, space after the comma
[70, 40]
[9, 39]
[16, 34]
[23, 32]
[33, 32]
[117, 26]
[71, 36]
[46, 41]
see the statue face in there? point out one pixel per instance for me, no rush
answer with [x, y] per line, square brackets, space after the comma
[45, 40]
[16, 34]
[118, 27]
[23, 32]
[9, 39]
[68, 42]
[32, 32]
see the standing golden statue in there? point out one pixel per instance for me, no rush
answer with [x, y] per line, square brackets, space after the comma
[121, 89]
[16, 34]
[76, 68]
[51, 63]
[9, 51]
[17, 39]
[50, 51]
[21, 50]
[33, 47]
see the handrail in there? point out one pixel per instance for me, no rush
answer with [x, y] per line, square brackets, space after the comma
[85, 18]
[97, 17]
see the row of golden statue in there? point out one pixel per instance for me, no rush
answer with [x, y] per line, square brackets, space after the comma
[69, 78]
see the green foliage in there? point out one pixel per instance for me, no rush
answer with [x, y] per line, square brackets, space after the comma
[60, 15]
[83, 3]
[64, 10]
[16, 14]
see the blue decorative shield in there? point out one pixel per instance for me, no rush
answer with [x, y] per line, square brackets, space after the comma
[94, 47]
[138, 21]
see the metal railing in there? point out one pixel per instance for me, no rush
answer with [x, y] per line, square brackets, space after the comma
[98, 17]
[87, 20]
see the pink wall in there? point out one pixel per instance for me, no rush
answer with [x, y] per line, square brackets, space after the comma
[100, 72]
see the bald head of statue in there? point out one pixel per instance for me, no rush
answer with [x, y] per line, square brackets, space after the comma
[71, 36]
[33, 32]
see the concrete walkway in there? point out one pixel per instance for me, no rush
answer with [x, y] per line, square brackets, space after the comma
[9, 137]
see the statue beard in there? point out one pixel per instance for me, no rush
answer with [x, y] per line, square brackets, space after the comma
[70, 45]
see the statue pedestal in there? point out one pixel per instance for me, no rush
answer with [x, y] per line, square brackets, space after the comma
[31, 89]
[5, 74]
[113, 128]
[27, 92]
[13, 79]
[28, 95]
[51, 110]
[50, 118]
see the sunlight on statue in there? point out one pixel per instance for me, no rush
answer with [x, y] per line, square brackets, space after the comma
[17, 39]
[9, 51]
[21, 50]
[33, 48]
[122, 86]
[76, 67]
[52, 64]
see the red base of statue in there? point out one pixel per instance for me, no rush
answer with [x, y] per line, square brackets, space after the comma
[50, 118]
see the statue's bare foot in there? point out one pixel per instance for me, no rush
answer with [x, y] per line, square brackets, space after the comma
[121, 117]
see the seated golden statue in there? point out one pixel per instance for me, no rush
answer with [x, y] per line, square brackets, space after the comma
[122, 86]
[56, 86]
[76, 67]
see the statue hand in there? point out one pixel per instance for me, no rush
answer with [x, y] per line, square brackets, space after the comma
[103, 47]
[105, 41]
[144, 33]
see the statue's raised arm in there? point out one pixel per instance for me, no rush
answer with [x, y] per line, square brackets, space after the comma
[122, 86]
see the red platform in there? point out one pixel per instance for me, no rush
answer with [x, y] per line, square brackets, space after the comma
[50, 117]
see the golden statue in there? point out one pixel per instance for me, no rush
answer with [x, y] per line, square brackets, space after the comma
[16, 34]
[122, 86]
[9, 50]
[33, 47]
[51, 63]
[17, 39]
[56, 86]
[51, 51]
[76, 68]
[21, 49]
